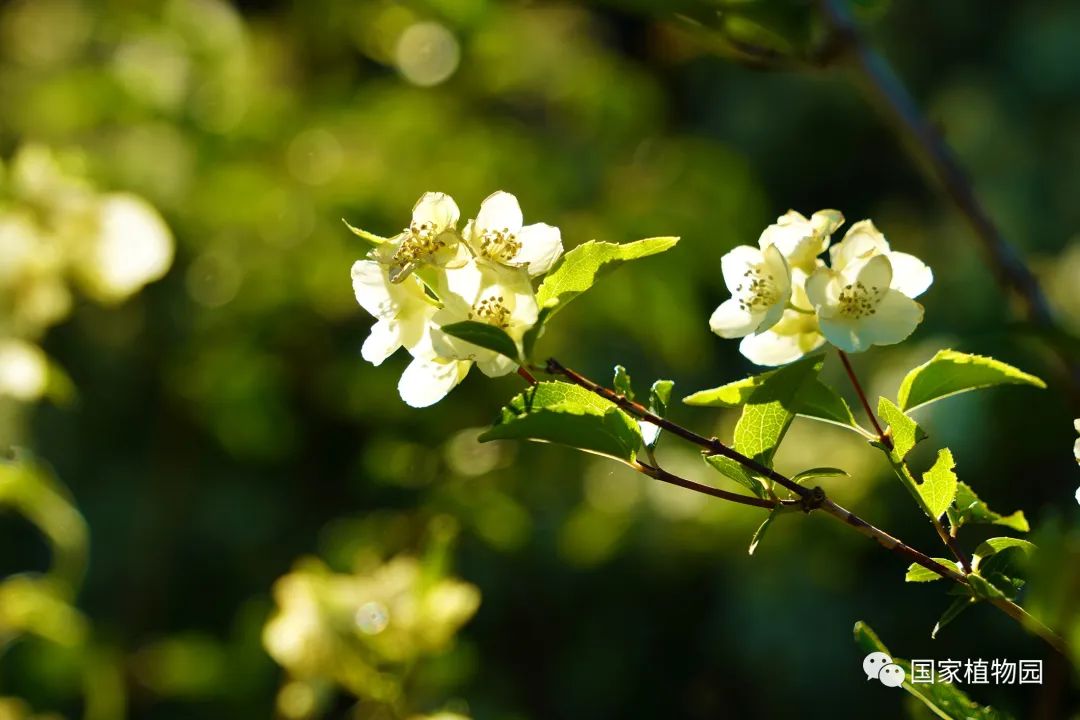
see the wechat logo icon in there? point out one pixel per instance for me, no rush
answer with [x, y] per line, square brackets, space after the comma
[879, 666]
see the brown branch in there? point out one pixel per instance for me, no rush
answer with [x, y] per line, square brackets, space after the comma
[810, 499]
[664, 476]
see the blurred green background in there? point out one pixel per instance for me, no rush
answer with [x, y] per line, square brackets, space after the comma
[222, 425]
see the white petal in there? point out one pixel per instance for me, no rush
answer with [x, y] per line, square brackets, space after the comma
[826, 222]
[876, 274]
[541, 246]
[736, 262]
[426, 382]
[777, 267]
[769, 348]
[499, 211]
[844, 333]
[382, 342]
[436, 208]
[822, 289]
[496, 366]
[896, 318]
[372, 288]
[862, 242]
[911, 275]
[731, 321]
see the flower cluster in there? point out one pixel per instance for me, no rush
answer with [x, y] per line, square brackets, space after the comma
[786, 302]
[431, 275]
[58, 233]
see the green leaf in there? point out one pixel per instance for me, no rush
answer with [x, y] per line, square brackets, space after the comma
[938, 488]
[983, 588]
[945, 700]
[659, 397]
[371, 238]
[760, 532]
[729, 468]
[768, 413]
[566, 414]
[485, 336]
[580, 267]
[818, 473]
[905, 432]
[818, 401]
[951, 372]
[621, 383]
[968, 508]
[917, 573]
[997, 544]
[958, 605]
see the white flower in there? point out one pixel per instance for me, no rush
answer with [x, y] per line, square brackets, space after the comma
[484, 292]
[497, 234]
[760, 285]
[863, 241]
[402, 309]
[800, 239]
[857, 306]
[24, 370]
[796, 334]
[431, 237]
[427, 380]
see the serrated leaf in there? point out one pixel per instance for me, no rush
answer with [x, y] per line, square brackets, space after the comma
[771, 407]
[566, 414]
[371, 238]
[995, 545]
[659, 397]
[946, 700]
[938, 488]
[580, 267]
[762, 528]
[904, 431]
[483, 335]
[817, 473]
[950, 372]
[968, 508]
[817, 402]
[621, 383]
[729, 468]
[917, 573]
[957, 606]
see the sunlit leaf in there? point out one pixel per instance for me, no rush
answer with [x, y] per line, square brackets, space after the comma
[759, 534]
[566, 414]
[370, 238]
[968, 508]
[995, 545]
[659, 397]
[917, 573]
[938, 488]
[904, 431]
[768, 413]
[621, 383]
[729, 468]
[951, 372]
[818, 473]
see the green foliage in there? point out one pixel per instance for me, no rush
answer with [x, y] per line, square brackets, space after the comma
[904, 431]
[759, 534]
[945, 700]
[968, 508]
[621, 383]
[917, 573]
[767, 413]
[995, 545]
[938, 488]
[957, 606]
[579, 268]
[566, 414]
[950, 372]
[818, 401]
[819, 472]
[486, 336]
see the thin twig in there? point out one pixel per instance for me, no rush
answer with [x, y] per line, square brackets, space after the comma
[810, 499]
[662, 475]
[948, 540]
